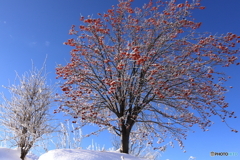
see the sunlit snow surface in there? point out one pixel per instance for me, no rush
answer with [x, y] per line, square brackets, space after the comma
[78, 154]
[67, 154]
[13, 154]
[9, 154]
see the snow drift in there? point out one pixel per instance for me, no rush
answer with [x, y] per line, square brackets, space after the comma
[67, 154]
[13, 154]
[79, 154]
[9, 154]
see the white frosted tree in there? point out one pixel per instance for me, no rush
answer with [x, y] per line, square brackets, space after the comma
[25, 117]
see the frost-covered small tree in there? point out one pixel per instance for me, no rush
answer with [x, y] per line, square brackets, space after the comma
[26, 115]
[138, 149]
[145, 71]
[69, 136]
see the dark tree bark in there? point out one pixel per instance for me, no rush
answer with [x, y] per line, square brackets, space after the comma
[125, 140]
[23, 153]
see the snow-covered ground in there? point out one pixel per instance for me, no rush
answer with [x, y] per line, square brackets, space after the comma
[13, 154]
[79, 154]
[67, 154]
[9, 154]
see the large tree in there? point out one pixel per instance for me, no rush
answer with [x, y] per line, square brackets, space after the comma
[25, 117]
[146, 71]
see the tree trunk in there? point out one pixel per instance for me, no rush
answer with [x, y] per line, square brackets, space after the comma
[125, 140]
[23, 153]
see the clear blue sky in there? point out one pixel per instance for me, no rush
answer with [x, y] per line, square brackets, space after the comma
[30, 29]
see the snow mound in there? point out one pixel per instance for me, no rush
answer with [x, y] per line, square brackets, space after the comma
[13, 154]
[79, 154]
[9, 154]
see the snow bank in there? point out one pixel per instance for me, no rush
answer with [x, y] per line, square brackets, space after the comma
[67, 154]
[13, 154]
[9, 154]
[79, 154]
